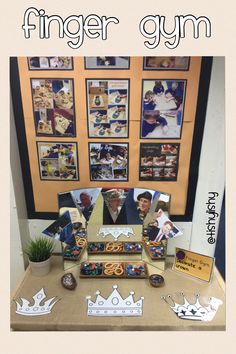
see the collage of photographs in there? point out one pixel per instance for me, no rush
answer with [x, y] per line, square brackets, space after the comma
[119, 206]
[108, 162]
[162, 110]
[159, 162]
[53, 104]
[58, 161]
[50, 63]
[108, 108]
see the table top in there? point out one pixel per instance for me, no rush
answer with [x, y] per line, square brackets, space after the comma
[70, 312]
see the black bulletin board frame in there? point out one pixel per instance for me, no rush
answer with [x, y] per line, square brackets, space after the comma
[202, 100]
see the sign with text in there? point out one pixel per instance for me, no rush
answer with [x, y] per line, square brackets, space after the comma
[194, 264]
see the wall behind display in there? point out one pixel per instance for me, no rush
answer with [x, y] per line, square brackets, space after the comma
[45, 192]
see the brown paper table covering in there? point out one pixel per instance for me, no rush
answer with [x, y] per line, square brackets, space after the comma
[70, 312]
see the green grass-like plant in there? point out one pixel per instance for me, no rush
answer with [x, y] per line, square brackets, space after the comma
[39, 249]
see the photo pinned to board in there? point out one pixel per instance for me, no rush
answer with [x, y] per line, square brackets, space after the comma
[162, 108]
[159, 227]
[108, 162]
[137, 204]
[62, 229]
[108, 108]
[113, 211]
[58, 161]
[50, 63]
[53, 105]
[106, 63]
[85, 200]
[166, 63]
[159, 162]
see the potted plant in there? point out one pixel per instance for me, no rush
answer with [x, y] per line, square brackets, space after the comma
[39, 251]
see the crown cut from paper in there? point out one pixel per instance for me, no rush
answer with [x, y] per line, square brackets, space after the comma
[116, 232]
[196, 311]
[36, 309]
[114, 305]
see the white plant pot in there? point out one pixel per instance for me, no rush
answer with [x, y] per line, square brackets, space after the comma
[40, 269]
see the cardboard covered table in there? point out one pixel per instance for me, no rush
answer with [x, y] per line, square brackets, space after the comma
[70, 312]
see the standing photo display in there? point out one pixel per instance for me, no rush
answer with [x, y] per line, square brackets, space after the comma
[159, 162]
[108, 162]
[53, 105]
[108, 108]
[162, 108]
[58, 161]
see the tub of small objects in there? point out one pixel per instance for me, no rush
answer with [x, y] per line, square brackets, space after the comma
[114, 248]
[122, 270]
[156, 250]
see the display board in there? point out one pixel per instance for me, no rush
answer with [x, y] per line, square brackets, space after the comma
[131, 107]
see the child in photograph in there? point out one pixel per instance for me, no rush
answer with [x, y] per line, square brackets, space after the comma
[149, 103]
[151, 120]
[175, 92]
[108, 159]
[158, 89]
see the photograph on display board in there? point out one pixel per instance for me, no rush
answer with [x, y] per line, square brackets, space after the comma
[137, 204]
[159, 227]
[85, 200]
[166, 63]
[62, 229]
[108, 162]
[58, 161]
[107, 63]
[162, 108]
[113, 210]
[50, 63]
[159, 162]
[108, 108]
[53, 105]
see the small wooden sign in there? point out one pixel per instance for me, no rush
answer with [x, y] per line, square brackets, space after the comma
[193, 264]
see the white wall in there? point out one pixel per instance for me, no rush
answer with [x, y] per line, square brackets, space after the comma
[19, 230]
[212, 161]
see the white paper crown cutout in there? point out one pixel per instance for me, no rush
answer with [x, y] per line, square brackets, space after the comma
[114, 305]
[196, 311]
[116, 232]
[36, 309]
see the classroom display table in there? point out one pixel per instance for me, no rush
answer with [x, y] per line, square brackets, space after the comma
[70, 312]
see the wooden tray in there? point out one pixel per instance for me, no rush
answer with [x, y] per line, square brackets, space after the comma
[81, 252]
[122, 251]
[122, 276]
[148, 246]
